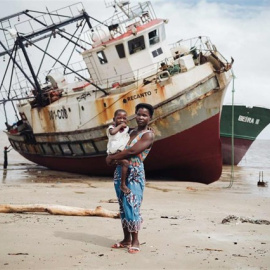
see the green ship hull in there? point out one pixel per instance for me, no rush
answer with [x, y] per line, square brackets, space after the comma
[248, 124]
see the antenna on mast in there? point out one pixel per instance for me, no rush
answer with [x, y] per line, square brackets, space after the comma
[116, 3]
[119, 3]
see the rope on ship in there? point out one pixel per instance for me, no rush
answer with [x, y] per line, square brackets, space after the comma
[232, 138]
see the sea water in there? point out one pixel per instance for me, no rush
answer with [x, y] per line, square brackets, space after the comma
[254, 167]
[255, 163]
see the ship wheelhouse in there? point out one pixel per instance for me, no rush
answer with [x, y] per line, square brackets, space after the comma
[128, 57]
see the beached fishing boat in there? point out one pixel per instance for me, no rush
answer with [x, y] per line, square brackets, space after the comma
[126, 60]
[248, 123]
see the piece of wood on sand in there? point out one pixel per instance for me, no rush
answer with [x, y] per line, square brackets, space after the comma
[58, 210]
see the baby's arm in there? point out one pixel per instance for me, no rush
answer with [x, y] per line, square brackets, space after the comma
[114, 130]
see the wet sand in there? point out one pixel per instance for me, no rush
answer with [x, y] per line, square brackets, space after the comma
[182, 226]
[191, 237]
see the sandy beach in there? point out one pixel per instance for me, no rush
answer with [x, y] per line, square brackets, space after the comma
[182, 226]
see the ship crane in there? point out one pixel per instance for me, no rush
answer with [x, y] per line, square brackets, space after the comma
[15, 43]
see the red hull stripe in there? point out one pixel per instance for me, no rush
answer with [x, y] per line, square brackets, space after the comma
[241, 146]
[192, 155]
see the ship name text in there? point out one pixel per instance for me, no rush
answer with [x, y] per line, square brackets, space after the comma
[58, 114]
[249, 120]
[141, 95]
[83, 96]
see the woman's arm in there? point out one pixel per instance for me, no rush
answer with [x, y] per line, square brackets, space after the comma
[144, 143]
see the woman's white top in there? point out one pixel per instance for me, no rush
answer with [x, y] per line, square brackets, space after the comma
[118, 141]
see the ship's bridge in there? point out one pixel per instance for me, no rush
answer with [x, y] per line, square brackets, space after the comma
[125, 54]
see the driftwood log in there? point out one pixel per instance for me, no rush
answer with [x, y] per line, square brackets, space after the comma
[58, 210]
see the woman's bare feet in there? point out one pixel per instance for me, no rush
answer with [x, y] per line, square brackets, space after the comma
[121, 244]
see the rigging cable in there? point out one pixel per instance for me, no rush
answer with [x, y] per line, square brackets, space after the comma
[5, 112]
[232, 136]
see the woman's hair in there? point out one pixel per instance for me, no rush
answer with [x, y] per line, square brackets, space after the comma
[147, 106]
[118, 111]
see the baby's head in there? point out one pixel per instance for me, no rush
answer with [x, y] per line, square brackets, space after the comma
[120, 116]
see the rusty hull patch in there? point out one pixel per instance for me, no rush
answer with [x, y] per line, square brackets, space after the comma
[47, 123]
[106, 106]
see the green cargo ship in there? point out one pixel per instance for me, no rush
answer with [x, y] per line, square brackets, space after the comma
[248, 124]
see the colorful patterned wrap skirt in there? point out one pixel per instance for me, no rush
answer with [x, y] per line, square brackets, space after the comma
[130, 204]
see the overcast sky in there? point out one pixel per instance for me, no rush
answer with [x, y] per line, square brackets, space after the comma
[238, 28]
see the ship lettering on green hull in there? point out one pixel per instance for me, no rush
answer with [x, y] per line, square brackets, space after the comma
[248, 124]
[249, 120]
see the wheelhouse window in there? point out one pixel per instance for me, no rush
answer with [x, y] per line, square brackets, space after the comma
[136, 45]
[153, 37]
[102, 57]
[157, 52]
[120, 50]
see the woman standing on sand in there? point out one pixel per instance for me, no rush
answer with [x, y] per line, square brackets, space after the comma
[137, 149]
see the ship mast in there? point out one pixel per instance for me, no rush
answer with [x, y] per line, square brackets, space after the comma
[12, 42]
[121, 5]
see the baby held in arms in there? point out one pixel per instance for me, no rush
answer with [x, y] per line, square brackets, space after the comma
[118, 137]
